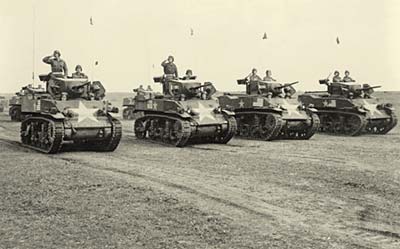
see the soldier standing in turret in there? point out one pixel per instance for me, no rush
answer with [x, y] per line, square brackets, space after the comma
[268, 76]
[58, 65]
[347, 77]
[78, 73]
[170, 69]
[253, 76]
[336, 77]
[170, 72]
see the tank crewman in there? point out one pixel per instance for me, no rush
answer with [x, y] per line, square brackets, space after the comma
[253, 76]
[170, 69]
[58, 65]
[347, 77]
[268, 76]
[188, 75]
[336, 77]
[78, 73]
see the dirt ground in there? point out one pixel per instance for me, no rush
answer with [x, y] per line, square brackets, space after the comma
[328, 192]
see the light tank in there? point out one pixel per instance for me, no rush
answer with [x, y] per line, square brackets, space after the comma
[348, 108]
[14, 103]
[3, 103]
[68, 111]
[265, 112]
[128, 105]
[186, 113]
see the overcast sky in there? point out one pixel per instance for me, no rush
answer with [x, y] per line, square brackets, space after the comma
[130, 38]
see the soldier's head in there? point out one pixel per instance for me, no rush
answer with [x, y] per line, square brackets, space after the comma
[78, 68]
[254, 71]
[268, 73]
[189, 73]
[57, 54]
[170, 59]
[347, 73]
[336, 73]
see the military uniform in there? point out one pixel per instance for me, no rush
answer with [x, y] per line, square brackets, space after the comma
[78, 75]
[253, 77]
[348, 79]
[268, 78]
[170, 68]
[57, 66]
[337, 79]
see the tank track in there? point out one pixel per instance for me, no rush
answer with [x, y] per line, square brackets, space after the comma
[175, 131]
[342, 123]
[112, 143]
[230, 132]
[15, 113]
[304, 134]
[42, 134]
[384, 126]
[262, 126]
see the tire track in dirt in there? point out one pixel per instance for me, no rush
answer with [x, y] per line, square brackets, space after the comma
[257, 207]
[244, 202]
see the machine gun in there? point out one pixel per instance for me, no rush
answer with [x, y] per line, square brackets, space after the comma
[367, 87]
[286, 85]
[367, 90]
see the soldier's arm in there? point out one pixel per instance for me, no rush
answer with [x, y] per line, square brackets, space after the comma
[47, 59]
[176, 71]
[164, 63]
[65, 68]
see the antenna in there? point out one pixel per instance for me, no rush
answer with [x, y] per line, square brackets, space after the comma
[33, 42]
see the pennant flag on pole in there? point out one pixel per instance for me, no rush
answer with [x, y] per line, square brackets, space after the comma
[96, 63]
[337, 40]
[191, 32]
[265, 36]
[91, 21]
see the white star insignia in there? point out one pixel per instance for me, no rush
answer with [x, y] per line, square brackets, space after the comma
[84, 112]
[204, 112]
[241, 103]
[370, 107]
[291, 109]
[154, 105]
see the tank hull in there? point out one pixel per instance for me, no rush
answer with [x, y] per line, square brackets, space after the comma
[344, 116]
[168, 121]
[263, 118]
[50, 124]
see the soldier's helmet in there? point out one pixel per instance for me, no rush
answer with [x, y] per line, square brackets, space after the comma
[336, 73]
[78, 67]
[56, 52]
[171, 58]
[346, 72]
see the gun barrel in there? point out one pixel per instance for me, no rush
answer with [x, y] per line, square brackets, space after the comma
[370, 87]
[288, 84]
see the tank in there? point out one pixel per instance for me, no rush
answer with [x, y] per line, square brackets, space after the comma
[350, 109]
[3, 103]
[128, 105]
[267, 112]
[185, 113]
[68, 111]
[15, 106]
